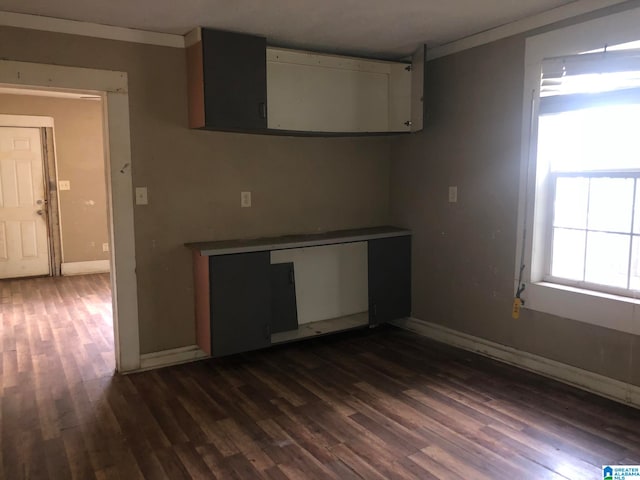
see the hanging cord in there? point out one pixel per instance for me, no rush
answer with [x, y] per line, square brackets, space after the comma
[518, 301]
[521, 284]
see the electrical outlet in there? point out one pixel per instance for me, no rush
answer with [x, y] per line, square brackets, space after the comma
[64, 185]
[105, 247]
[141, 196]
[453, 194]
[245, 199]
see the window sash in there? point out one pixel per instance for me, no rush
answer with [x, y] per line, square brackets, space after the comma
[583, 284]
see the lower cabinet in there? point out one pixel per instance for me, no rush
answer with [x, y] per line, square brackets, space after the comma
[250, 300]
[389, 279]
[240, 293]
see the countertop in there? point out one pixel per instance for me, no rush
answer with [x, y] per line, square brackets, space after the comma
[227, 247]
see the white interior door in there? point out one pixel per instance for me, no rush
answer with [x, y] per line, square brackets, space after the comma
[24, 245]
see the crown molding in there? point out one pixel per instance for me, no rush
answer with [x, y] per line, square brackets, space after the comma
[527, 24]
[86, 29]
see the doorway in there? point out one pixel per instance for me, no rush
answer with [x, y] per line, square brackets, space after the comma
[112, 87]
[72, 175]
[53, 208]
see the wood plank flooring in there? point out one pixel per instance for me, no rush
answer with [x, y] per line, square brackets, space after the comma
[374, 404]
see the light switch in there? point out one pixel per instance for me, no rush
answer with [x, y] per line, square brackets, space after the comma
[141, 196]
[453, 194]
[245, 199]
[64, 185]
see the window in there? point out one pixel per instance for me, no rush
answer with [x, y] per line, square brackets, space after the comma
[578, 250]
[592, 157]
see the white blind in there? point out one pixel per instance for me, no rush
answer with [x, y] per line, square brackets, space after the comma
[594, 79]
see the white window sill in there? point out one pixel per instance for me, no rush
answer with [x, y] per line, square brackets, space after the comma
[602, 309]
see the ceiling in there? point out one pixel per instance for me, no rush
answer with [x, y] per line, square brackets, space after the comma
[384, 28]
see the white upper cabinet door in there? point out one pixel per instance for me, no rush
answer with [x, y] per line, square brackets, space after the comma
[24, 245]
[418, 64]
[400, 79]
[313, 92]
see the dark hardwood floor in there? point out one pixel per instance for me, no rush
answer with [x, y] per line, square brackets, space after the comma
[375, 404]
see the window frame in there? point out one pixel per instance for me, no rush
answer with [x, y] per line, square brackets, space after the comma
[535, 205]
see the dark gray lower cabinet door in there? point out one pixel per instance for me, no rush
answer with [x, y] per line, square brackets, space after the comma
[389, 279]
[283, 298]
[240, 302]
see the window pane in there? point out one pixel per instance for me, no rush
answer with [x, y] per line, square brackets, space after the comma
[635, 264]
[555, 148]
[610, 204]
[568, 254]
[599, 138]
[607, 259]
[570, 209]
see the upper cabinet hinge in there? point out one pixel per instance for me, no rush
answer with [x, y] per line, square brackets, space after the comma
[408, 68]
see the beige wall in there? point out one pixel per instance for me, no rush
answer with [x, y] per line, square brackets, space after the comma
[195, 177]
[80, 159]
[464, 253]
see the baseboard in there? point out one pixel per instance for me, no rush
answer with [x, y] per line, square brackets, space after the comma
[166, 358]
[84, 268]
[592, 382]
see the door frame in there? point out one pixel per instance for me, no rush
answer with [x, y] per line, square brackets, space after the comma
[49, 170]
[54, 216]
[112, 86]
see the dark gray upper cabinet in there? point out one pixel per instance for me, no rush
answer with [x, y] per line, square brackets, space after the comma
[227, 81]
